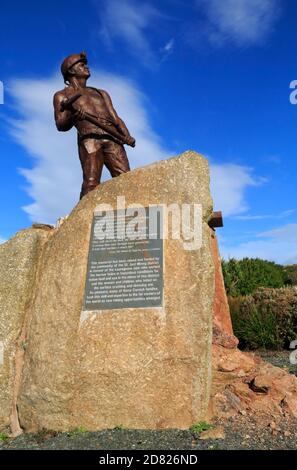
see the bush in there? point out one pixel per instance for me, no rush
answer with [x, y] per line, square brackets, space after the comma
[243, 277]
[266, 319]
[291, 272]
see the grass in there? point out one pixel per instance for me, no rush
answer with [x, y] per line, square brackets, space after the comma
[3, 437]
[200, 427]
[77, 431]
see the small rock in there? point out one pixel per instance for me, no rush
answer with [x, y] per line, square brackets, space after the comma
[216, 433]
[220, 336]
[43, 226]
[259, 386]
[287, 434]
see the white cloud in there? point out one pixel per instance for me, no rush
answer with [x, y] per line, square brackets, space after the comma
[229, 183]
[286, 233]
[54, 180]
[167, 50]
[128, 21]
[169, 46]
[242, 22]
[2, 240]
[253, 217]
[287, 213]
[282, 215]
[279, 245]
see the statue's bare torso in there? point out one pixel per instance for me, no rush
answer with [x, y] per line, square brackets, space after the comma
[94, 101]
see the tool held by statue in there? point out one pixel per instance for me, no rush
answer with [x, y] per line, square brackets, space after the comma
[68, 102]
[105, 124]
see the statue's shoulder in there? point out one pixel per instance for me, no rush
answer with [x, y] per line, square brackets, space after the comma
[65, 93]
[103, 92]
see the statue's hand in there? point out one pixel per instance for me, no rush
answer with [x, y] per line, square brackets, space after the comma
[131, 141]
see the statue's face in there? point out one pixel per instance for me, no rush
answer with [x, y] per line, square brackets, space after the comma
[80, 70]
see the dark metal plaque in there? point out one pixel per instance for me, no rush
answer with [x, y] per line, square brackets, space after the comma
[125, 264]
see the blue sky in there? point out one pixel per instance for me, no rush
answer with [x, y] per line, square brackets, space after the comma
[207, 75]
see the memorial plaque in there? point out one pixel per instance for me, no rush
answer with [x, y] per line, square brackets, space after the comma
[125, 264]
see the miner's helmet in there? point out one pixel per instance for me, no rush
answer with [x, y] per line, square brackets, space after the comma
[70, 61]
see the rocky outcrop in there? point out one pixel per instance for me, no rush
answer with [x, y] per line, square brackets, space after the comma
[140, 368]
[243, 383]
[18, 266]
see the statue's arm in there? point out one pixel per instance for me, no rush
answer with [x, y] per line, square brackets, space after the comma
[64, 119]
[120, 123]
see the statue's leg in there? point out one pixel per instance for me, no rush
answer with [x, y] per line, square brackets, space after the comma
[91, 158]
[115, 158]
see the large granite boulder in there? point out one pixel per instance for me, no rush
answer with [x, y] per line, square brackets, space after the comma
[139, 368]
[18, 264]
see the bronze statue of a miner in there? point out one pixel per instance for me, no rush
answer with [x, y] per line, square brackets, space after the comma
[101, 133]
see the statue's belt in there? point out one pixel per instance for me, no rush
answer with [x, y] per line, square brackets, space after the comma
[92, 135]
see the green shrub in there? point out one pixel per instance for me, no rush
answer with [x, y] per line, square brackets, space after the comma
[291, 273]
[266, 319]
[243, 277]
[257, 329]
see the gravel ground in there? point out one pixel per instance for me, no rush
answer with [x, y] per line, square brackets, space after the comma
[240, 433]
[279, 359]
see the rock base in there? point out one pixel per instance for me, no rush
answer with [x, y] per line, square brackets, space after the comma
[245, 384]
[138, 368]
